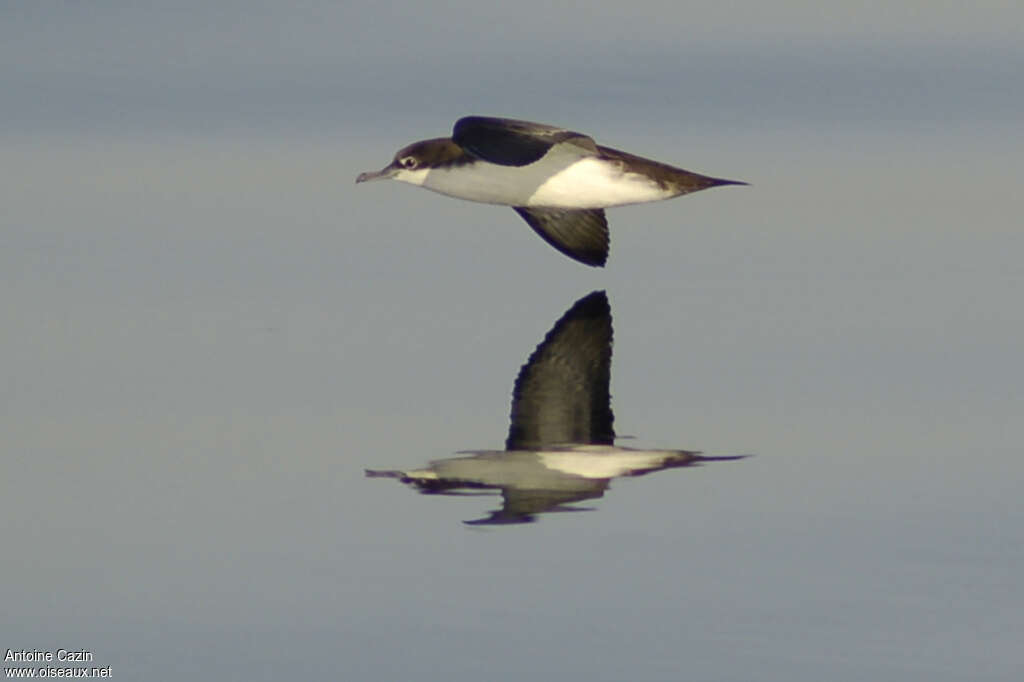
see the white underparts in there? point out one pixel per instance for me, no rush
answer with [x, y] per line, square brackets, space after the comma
[556, 181]
[592, 183]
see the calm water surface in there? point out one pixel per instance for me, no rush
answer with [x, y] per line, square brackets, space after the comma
[211, 337]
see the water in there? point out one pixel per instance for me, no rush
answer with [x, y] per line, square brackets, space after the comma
[212, 333]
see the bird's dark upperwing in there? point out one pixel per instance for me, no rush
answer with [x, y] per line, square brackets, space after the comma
[562, 394]
[581, 234]
[508, 142]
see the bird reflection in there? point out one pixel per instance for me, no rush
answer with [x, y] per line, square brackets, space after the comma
[561, 443]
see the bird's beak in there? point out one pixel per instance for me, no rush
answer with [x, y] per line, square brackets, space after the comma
[383, 174]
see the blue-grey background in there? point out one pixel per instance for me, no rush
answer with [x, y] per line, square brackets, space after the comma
[209, 332]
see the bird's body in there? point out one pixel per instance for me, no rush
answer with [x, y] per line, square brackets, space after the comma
[557, 180]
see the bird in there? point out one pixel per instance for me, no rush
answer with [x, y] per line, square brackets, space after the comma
[557, 180]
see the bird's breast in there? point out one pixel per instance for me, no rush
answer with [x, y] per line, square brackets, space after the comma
[582, 183]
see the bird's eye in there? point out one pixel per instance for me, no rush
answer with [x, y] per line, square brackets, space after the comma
[408, 162]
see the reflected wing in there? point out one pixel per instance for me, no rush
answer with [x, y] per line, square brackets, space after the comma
[522, 506]
[581, 234]
[508, 142]
[562, 393]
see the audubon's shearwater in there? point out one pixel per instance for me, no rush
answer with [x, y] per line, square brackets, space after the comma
[558, 180]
